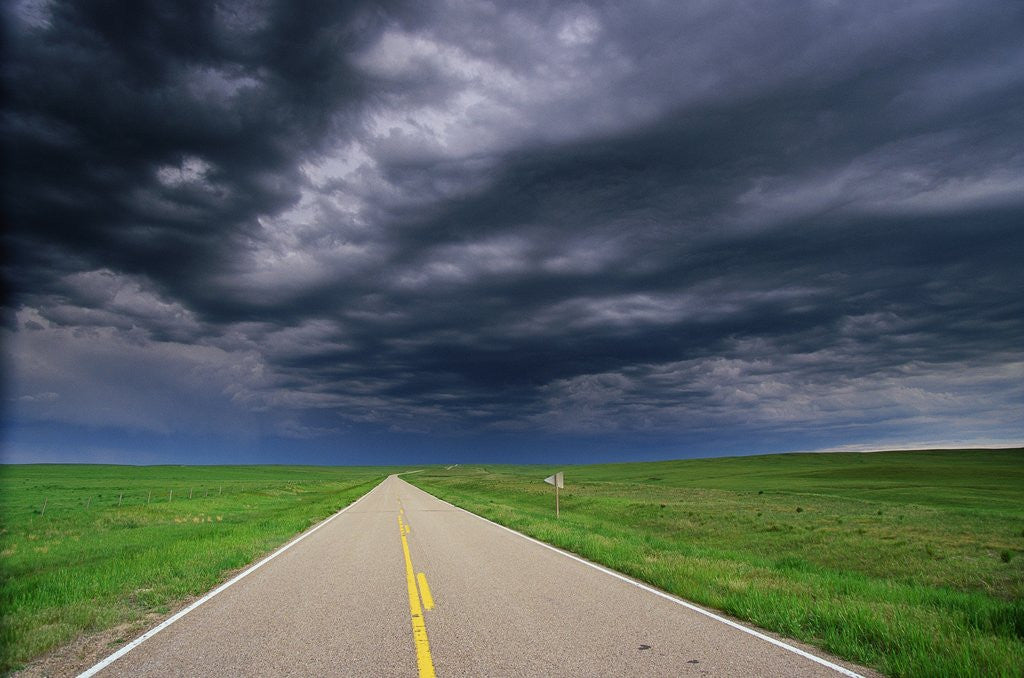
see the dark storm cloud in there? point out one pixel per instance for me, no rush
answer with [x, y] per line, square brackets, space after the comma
[148, 137]
[459, 216]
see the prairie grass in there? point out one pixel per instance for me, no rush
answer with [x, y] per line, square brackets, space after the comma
[85, 563]
[908, 562]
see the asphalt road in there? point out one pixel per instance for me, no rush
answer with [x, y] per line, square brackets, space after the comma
[350, 600]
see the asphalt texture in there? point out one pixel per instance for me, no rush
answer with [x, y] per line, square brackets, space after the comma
[342, 603]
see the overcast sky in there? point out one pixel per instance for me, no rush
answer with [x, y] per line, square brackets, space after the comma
[535, 231]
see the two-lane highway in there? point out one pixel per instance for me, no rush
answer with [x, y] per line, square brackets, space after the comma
[403, 584]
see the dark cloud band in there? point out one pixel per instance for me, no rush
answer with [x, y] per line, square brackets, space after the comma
[456, 218]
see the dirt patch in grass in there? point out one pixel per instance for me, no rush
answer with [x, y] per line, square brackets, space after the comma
[86, 650]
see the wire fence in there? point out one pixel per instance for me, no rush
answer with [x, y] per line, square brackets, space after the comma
[136, 498]
[51, 501]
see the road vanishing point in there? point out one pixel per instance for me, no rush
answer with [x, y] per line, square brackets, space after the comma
[401, 583]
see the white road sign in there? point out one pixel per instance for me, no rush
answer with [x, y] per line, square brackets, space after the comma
[557, 480]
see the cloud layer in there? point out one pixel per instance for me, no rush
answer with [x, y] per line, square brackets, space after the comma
[546, 219]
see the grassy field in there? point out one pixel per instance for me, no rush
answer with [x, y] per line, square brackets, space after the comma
[117, 543]
[909, 562]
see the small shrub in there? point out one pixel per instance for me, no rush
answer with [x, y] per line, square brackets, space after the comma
[879, 511]
[760, 491]
[799, 509]
[1005, 556]
[758, 514]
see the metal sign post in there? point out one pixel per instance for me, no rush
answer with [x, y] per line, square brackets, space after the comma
[558, 480]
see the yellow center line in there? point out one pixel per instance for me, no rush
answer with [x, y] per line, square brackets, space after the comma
[419, 628]
[428, 600]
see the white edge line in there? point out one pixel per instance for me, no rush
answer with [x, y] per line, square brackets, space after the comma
[679, 601]
[167, 622]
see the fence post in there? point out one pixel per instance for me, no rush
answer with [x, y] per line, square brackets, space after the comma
[170, 495]
[87, 503]
[149, 497]
[45, 499]
[119, 498]
[190, 493]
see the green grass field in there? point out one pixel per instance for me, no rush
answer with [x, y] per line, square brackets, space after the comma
[86, 564]
[908, 562]
[912, 563]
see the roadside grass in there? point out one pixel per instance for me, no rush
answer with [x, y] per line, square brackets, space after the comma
[909, 562]
[86, 564]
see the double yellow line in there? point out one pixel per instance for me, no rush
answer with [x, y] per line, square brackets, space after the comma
[419, 627]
